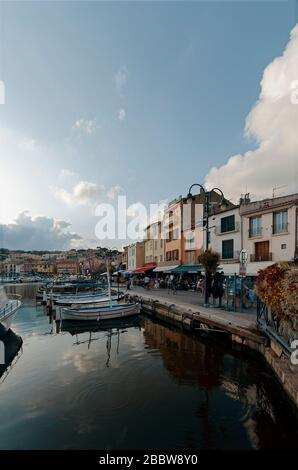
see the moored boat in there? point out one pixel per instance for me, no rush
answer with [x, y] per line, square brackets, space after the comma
[108, 312]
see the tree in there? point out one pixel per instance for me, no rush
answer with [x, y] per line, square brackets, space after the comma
[210, 260]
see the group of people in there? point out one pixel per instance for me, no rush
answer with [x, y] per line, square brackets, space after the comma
[238, 292]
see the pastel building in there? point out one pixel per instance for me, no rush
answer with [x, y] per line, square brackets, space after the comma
[269, 231]
[154, 243]
[136, 255]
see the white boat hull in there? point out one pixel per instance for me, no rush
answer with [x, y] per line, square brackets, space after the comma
[102, 313]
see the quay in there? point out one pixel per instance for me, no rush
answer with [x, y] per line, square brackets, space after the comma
[183, 310]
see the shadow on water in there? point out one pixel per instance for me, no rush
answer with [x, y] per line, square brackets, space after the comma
[10, 346]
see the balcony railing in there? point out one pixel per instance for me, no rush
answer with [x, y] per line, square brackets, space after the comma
[255, 232]
[280, 228]
[261, 257]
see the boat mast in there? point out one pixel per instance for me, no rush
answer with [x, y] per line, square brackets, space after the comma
[109, 284]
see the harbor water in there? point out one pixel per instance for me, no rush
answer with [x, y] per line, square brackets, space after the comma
[138, 385]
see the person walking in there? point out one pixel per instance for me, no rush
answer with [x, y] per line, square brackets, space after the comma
[146, 282]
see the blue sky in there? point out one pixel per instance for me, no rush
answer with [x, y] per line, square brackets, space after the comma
[183, 77]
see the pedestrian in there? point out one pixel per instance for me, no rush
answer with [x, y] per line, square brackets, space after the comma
[146, 282]
[128, 284]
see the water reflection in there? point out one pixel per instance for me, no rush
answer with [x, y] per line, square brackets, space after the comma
[136, 385]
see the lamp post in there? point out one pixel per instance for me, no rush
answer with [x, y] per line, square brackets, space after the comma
[206, 211]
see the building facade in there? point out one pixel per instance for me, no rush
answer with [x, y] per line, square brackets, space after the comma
[136, 255]
[225, 238]
[67, 268]
[269, 231]
[154, 243]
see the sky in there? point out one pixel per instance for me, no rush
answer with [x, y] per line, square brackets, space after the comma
[140, 99]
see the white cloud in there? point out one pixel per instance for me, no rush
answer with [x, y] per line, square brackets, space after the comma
[121, 78]
[273, 122]
[113, 191]
[121, 114]
[86, 126]
[82, 193]
[37, 233]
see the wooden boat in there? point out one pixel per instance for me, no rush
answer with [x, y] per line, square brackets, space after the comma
[87, 301]
[108, 312]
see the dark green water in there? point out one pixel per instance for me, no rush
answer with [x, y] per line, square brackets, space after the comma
[139, 386]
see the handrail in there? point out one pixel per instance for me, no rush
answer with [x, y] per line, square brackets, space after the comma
[10, 306]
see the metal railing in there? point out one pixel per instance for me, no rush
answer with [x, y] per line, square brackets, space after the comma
[269, 324]
[13, 302]
[263, 257]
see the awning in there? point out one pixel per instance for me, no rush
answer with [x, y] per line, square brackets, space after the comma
[187, 269]
[161, 269]
[145, 268]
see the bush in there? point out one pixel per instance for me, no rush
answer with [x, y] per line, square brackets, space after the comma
[210, 260]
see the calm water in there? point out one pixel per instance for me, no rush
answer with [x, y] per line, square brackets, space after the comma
[142, 386]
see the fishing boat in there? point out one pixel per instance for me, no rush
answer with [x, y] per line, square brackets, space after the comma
[89, 301]
[8, 310]
[108, 312]
[76, 298]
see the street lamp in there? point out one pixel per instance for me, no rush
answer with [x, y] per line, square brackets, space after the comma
[223, 203]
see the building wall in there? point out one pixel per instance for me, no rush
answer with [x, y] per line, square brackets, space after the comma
[282, 246]
[217, 236]
[140, 254]
[173, 231]
[154, 243]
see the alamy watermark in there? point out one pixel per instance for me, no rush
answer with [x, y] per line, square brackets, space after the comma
[156, 222]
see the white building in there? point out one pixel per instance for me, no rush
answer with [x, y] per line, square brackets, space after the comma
[269, 231]
[225, 238]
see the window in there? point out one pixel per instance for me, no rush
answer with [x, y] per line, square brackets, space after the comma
[176, 234]
[227, 249]
[255, 228]
[283, 246]
[280, 221]
[227, 224]
[155, 245]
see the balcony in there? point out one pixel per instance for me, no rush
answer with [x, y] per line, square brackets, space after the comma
[280, 228]
[255, 232]
[235, 228]
[262, 257]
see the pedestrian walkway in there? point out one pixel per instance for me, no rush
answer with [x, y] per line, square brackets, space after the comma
[194, 301]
